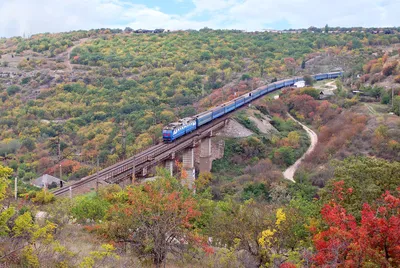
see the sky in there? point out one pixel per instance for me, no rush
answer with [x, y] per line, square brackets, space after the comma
[27, 17]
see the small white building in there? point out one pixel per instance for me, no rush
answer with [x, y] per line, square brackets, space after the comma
[300, 84]
[46, 180]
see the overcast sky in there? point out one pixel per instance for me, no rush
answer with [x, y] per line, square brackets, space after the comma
[19, 17]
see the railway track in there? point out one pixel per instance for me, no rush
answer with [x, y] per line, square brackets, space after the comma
[109, 171]
[144, 159]
[157, 153]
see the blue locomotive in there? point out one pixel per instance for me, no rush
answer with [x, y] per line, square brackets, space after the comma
[186, 125]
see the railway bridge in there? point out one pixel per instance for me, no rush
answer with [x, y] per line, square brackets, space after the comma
[139, 165]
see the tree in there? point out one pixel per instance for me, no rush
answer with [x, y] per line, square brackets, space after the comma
[32, 236]
[368, 178]
[29, 144]
[396, 105]
[308, 80]
[5, 213]
[97, 257]
[303, 64]
[389, 67]
[11, 90]
[5, 173]
[205, 55]
[310, 91]
[90, 208]
[245, 77]
[155, 218]
[283, 235]
[243, 222]
[303, 104]
[290, 65]
[20, 229]
[43, 197]
[374, 241]
[294, 139]
[128, 29]
[167, 116]
[203, 181]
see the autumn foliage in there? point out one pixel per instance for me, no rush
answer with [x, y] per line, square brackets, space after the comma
[68, 166]
[389, 68]
[375, 240]
[304, 104]
[153, 218]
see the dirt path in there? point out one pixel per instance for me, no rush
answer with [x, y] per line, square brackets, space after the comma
[67, 61]
[332, 84]
[327, 87]
[289, 172]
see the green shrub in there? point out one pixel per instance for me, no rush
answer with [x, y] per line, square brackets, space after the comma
[29, 144]
[90, 207]
[284, 126]
[311, 92]
[43, 197]
[309, 80]
[284, 156]
[255, 191]
[25, 80]
[11, 90]
[243, 119]
[246, 77]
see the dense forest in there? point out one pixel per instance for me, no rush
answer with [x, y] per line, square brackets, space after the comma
[73, 100]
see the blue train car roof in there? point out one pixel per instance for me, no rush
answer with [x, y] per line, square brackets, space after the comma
[280, 82]
[202, 113]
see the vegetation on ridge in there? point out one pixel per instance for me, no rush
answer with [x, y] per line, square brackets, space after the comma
[105, 94]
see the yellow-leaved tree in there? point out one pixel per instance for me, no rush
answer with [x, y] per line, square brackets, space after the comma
[278, 243]
[23, 234]
[5, 212]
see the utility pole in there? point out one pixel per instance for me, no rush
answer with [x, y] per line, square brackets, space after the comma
[123, 141]
[59, 154]
[392, 98]
[16, 188]
[97, 176]
[58, 147]
[60, 171]
[133, 171]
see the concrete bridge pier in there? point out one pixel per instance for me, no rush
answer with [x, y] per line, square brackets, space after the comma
[205, 155]
[144, 172]
[188, 167]
[169, 165]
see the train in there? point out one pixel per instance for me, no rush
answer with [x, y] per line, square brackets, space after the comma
[186, 125]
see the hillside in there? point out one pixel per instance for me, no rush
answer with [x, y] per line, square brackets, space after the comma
[75, 99]
[91, 87]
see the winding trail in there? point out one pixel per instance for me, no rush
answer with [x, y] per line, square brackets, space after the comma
[289, 172]
[332, 84]
[68, 61]
[69, 50]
